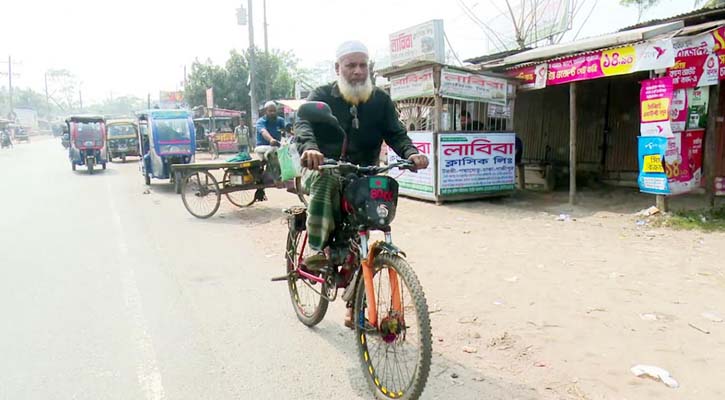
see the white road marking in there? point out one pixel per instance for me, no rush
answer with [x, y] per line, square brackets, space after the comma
[147, 371]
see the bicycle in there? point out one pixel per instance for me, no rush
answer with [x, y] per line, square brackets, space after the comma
[390, 313]
[213, 146]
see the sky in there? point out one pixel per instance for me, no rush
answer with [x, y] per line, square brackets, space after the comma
[135, 47]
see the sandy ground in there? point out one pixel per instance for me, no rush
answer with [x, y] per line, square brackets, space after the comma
[560, 309]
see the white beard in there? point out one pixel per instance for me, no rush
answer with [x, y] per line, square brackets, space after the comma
[357, 93]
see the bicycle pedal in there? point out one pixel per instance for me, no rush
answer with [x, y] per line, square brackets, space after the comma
[280, 278]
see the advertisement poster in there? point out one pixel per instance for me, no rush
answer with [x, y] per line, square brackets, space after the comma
[683, 161]
[413, 84]
[655, 98]
[476, 163]
[530, 76]
[421, 42]
[226, 142]
[678, 110]
[695, 62]
[720, 186]
[526, 76]
[652, 177]
[541, 71]
[696, 70]
[617, 61]
[420, 184]
[210, 97]
[697, 99]
[462, 85]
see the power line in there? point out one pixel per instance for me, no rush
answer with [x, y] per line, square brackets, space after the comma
[452, 50]
[491, 36]
[585, 19]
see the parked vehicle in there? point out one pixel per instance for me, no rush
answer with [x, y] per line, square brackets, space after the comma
[21, 134]
[168, 139]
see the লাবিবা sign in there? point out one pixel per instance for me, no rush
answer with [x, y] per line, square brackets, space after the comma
[474, 163]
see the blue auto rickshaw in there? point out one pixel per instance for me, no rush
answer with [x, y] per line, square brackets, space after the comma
[168, 138]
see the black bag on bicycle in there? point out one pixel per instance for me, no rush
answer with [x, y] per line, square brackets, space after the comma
[373, 200]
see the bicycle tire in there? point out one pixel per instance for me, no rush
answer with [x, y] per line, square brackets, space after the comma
[243, 195]
[291, 257]
[300, 192]
[197, 189]
[419, 377]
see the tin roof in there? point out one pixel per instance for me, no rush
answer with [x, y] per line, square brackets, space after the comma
[594, 43]
[690, 18]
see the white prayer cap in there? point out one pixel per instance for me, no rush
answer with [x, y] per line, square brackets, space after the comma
[270, 104]
[350, 47]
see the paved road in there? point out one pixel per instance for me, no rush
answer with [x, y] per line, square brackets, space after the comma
[110, 293]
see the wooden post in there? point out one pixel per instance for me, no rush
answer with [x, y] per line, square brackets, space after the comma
[438, 121]
[520, 170]
[711, 141]
[572, 143]
[662, 203]
[438, 117]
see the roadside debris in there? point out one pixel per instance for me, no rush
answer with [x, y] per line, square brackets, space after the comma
[656, 373]
[712, 316]
[699, 329]
[565, 218]
[649, 212]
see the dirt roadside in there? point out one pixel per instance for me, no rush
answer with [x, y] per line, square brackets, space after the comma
[562, 304]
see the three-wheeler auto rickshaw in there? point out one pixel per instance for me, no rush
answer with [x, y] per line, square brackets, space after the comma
[169, 139]
[87, 140]
[122, 138]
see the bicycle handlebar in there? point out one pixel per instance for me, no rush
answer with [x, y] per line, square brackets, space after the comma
[331, 164]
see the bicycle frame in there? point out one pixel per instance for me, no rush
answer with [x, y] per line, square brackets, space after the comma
[368, 256]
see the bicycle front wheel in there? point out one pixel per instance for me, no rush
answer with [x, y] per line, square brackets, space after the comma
[395, 354]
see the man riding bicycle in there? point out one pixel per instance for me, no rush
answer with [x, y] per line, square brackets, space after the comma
[369, 117]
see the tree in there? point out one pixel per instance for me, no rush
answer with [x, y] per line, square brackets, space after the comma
[275, 73]
[642, 6]
[203, 76]
[62, 88]
[709, 3]
[118, 106]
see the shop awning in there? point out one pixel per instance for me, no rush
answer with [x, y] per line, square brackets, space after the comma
[599, 42]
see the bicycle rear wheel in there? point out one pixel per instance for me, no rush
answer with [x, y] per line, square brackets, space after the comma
[299, 189]
[396, 354]
[309, 306]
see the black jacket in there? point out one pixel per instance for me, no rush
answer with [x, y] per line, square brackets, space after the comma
[378, 121]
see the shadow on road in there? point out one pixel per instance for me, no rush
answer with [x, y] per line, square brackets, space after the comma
[256, 214]
[467, 384]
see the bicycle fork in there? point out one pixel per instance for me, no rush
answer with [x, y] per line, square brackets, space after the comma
[368, 256]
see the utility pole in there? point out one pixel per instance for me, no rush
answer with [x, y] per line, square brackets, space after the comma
[10, 83]
[252, 62]
[80, 97]
[185, 82]
[47, 96]
[266, 47]
[267, 83]
[148, 101]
